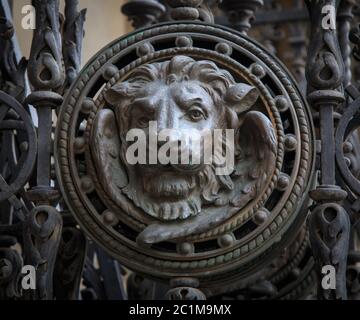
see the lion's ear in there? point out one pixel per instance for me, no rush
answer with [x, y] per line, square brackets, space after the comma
[115, 93]
[241, 97]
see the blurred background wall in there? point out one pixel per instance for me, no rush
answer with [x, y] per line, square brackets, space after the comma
[104, 23]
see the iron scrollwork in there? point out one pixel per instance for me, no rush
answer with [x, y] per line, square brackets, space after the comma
[140, 207]
[73, 206]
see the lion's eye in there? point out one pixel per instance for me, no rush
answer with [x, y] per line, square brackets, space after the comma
[195, 114]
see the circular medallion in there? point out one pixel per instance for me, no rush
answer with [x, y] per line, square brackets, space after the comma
[215, 219]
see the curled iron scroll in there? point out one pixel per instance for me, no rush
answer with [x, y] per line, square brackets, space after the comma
[349, 121]
[17, 120]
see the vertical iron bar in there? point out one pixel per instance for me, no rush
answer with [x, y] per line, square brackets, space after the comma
[329, 223]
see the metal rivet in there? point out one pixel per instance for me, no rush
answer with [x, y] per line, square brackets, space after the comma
[109, 71]
[281, 103]
[223, 48]
[283, 182]
[257, 70]
[290, 142]
[226, 240]
[145, 49]
[185, 248]
[261, 216]
[109, 218]
[183, 41]
[88, 105]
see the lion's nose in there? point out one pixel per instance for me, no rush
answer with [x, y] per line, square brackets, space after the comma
[167, 116]
[168, 135]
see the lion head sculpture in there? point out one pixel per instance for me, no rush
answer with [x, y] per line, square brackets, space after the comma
[183, 94]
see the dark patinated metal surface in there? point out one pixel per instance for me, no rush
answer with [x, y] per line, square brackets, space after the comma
[73, 207]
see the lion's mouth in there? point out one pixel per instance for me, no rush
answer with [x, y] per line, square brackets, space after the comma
[166, 195]
[169, 183]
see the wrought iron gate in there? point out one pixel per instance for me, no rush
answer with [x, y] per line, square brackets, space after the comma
[93, 225]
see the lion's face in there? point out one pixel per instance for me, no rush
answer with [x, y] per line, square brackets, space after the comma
[180, 109]
[171, 191]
